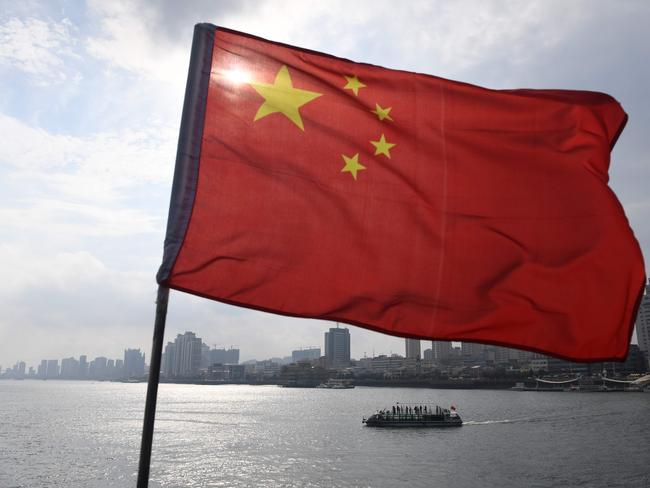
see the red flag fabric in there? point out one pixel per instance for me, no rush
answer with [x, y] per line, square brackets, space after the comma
[313, 186]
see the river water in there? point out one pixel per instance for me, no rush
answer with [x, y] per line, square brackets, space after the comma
[84, 434]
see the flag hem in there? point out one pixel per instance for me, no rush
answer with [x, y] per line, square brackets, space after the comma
[618, 358]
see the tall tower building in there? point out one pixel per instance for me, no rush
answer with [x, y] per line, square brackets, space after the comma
[69, 368]
[473, 351]
[83, 366]
[337, 347]
[42, 369]
[412, 348]
[187, 355]
[643, 324]
[52, 368]
[441, 350]
[168, 360]
[133, 363]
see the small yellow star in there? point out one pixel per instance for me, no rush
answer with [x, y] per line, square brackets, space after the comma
[382, 146]
[282, 97]
[353, 84]
[382, 113]
[352, 165]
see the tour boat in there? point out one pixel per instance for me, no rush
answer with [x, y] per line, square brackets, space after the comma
[415, 415]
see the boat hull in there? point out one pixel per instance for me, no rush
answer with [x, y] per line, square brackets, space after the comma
[411, 424]
[375, 421]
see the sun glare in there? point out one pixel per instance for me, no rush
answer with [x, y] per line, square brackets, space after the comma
[237, 76]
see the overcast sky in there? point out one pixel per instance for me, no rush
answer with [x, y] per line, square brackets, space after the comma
[90, 103]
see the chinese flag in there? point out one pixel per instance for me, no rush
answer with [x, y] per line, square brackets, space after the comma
[313, 186]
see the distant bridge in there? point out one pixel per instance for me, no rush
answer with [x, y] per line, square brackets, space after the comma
[558, 382]
[642, 381]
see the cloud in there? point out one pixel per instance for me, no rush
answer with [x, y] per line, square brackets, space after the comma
[125, 41]
[100, 168]
[38, 48]
[63, 296]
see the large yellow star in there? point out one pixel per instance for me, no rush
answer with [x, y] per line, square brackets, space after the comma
[382, 113]
[353, 84]
[352, 165]
[382, 146]
[282, 97]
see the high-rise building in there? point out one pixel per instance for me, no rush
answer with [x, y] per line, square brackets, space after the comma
[473, 351]
[110, 369]
[182, 358]
[441, 350]
[69, 368]
[42, 369]
[306, 354]
[412, 348]
[168, 360]
[205, 355]
[337, 347]
[97, 368]
[119, 368]
[223, 356]
[83, 366]
[52, 368]
[643, 324]
[133, 363]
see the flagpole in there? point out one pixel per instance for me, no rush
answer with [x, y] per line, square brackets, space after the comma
[152, 386]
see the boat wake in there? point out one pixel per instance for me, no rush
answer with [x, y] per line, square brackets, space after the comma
[565, 418]
[503, 421]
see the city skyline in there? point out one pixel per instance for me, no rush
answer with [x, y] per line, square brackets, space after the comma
[336, 347]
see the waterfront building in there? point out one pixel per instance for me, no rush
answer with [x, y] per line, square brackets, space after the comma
[381, 364]
[635, 362]
[168, 357]
[17, 372]
[224, 356]
[69, 368]
[52, 368]
[412, 348]
[427, 354]
[262, 369]
[205, 356]
[306, 354]
[42, 369]
[472, 352]
[226, 372]
[643, 324]
[133, 364]
[20, 369]
[337, 347]
[110, 369]
[97, 368]
[302, 374]
[83, 366]
[182, 358]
